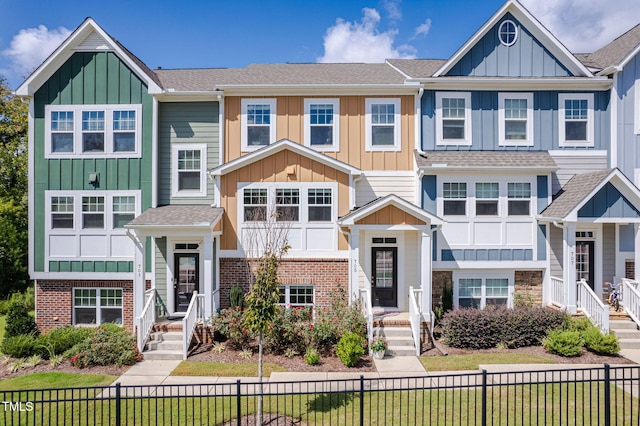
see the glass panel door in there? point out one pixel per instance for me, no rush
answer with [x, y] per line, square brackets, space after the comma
[384, 276]
[186, 279]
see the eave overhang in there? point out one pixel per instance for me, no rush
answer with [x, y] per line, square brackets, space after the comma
[520, 83]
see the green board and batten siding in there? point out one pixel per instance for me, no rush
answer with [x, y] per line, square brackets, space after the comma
[90, 79]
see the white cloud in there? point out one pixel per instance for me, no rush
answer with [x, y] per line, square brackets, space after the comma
[393, 9]
[362, 41]
[585, 25]
[423, 29]
[31, 46]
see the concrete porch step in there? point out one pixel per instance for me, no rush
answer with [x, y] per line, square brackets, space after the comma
[627, 333]
[399, 339]
[394, 350]
[171, 345]
[167, 335]
[163, 355]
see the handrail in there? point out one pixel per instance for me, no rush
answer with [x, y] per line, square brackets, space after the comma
[364, 296]
[195, 312]
[415, 315]
[631, 299]
[160, 302]
[557, 292]
[592, 306]
[147, 318]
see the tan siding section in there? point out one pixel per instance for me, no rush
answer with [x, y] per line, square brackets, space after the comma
[370, 188]
[275, 169]
[290, 125]
[390, 215]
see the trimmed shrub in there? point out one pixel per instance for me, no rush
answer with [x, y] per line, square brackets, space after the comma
[493, 326]
[566, 343]
[18, 320]
[112, 327]
[350, 348]
[311, 356]
[290, 329]
[236, 297]
[4, 307]
[230, 326]
[602, 344]
[61, 339]
[331, 323]
[20, 346]
[105, 348]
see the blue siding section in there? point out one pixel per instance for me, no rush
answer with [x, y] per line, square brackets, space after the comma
[429, 192]
[628, 140]
[610, 203]
[484, 122]
[542, 242]
[471, 255]
[543, 192]
[527, 57]
[627, 242]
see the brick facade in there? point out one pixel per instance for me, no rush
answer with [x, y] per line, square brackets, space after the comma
[438, 280]
[324, 274]
[54, 301]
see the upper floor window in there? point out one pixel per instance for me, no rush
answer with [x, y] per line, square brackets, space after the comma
[382, 124]
[62, 212]
[124, 210]
[189, 170]
[487, 195]
[455, 198]
[453, 118]
[508, 33]
[93, 212]
[321, 124]
[519, 196]
[576, 119]
[258, 121]
[93, 130]
[287, 205]
[515, 119]
[319, 202]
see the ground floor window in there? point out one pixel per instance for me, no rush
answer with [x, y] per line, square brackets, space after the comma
[297, 295]
[97, 306]
[483, 291]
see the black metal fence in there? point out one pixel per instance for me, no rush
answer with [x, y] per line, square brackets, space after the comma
[583, 396]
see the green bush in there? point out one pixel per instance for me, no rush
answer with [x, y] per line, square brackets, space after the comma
[566, 343]
[493, 326]
[20, 346]
[112, 327]
[230, 325]
[60, 340]
[4, 307]
[105, 347]
[330, 323]
[350, 348]
[311, 356]
[602, 344]
[18, 320]
[290, 329]
[236, 297]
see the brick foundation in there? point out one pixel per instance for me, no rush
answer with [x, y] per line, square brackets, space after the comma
[529, 282]
[324, 274]
[438, 280]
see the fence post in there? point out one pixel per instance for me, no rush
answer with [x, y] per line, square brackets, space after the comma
[607, 395]
[484, 397]
[118, 409]
[238, 410]
[361, 400]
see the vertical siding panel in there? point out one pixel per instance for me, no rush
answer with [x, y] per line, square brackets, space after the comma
[526, 56]
[123, 173]
[135, 167]
[78, 173]
[136, 91]
[111, 180]
[54, 89]
[89, 166]
[124, 77]
[66, 173]
[89, 80]
[113, 77]
[100, 167]
[101, 78]
[54, 174]
[77, 71]
[65, 80]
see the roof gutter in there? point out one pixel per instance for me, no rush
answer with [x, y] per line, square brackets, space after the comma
[325, 89]
[613, 69]
[493, 83]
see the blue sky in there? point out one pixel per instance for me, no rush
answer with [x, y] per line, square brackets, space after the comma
[201, 34]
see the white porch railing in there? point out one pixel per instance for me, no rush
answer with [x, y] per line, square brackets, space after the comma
[147, 318]
[631, 299]
[415, 315]
[364, 296]
[557, 292]
[194, 314]
[592, 306]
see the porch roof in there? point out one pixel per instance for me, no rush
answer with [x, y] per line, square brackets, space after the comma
[178, 216]
[581, 192]
[470, 160]
[393, 200]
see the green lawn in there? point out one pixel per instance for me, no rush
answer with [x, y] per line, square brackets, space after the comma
[191, 368]
[472, 361]
[55, 380]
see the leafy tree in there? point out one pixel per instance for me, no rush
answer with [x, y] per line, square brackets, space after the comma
[14, 275]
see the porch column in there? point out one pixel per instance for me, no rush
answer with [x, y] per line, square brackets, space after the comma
[139, 275]
[569, 267]
[208, 275]
[636, 252]
[424, 265]
[353, 265]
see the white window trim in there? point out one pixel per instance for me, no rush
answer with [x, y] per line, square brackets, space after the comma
[335, 126]
[502, 141]
[515, 38]
[483, 275]
[467, 141]
[287, 295]
[636, 108]
[397, 133]
[97, 307]
[77, 131]
[77, 231]
[175, 148]
[561, 119]
[243, 122]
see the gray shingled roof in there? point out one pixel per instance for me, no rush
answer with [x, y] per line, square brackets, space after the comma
[177, 216]
[418, 68]
[574, 192]
[485, 159]
[615, 52]
[280, 74]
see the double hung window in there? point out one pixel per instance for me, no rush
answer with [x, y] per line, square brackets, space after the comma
[382, 124]
[189, 170]
[453, 118]
[480, 292]
[97, 306]
[258, 121]
[322, 123]
[455, 198]
[515, 115]
[487, 195]
[519, 196]
[576, 119]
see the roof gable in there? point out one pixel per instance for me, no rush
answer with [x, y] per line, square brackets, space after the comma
[88, 37]
[381, 204]
[529, 29]
[608, 202]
